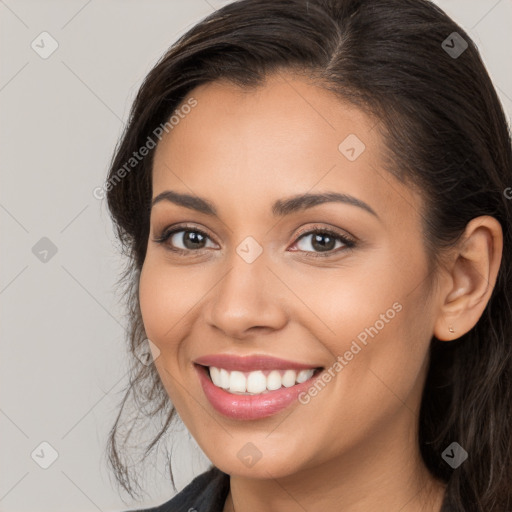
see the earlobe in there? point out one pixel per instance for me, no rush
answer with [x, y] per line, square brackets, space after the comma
[470, 279]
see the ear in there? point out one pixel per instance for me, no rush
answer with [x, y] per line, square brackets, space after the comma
[470, 278]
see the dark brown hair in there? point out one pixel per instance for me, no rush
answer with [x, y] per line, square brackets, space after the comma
[446, 134]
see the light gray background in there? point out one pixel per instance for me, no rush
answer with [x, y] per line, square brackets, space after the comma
[63, 359]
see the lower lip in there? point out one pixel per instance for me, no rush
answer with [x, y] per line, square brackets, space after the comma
[250, 407]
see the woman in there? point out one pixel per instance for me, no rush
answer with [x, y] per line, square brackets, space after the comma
[313, 199]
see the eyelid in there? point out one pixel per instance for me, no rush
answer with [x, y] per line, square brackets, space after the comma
[322, 227]
[349, 242]
[167, 232]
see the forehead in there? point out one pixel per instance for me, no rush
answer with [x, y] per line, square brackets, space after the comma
[286, 137]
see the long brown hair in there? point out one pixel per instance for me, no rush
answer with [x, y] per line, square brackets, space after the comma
[446, 134]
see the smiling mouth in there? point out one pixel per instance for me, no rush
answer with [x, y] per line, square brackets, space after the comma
[257, 382]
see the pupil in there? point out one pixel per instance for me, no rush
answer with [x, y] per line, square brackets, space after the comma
[193, 240]
[317, 244]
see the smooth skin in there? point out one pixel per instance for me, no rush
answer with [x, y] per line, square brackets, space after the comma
[354, 445]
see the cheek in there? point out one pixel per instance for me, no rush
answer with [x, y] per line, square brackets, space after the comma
[377, 322]
[166, 299]
[344, 302]
[166, 296]
[376, 366]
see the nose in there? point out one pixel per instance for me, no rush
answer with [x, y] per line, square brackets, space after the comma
[248, 300]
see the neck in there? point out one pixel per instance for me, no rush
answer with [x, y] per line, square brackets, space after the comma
[385, 473]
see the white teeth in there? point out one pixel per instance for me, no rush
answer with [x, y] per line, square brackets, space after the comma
[257, 382]
[237, 382]
[274, 380]
[214, 374]
[289, 378]
[304, 375]
[224, 379]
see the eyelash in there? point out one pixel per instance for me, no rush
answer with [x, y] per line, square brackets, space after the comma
[348, 242]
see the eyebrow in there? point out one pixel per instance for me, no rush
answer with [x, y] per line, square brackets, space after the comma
[280, 208]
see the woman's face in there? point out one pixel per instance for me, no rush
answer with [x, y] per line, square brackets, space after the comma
[255, 281]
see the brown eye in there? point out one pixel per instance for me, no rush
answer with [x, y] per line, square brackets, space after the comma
[183, 240]
[189, 239]
[322, 241]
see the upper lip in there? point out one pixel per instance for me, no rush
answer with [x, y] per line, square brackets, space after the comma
[232, 362]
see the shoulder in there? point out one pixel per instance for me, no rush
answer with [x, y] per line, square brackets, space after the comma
[205, 493]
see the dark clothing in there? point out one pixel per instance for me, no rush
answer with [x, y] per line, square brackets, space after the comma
[208, 493]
